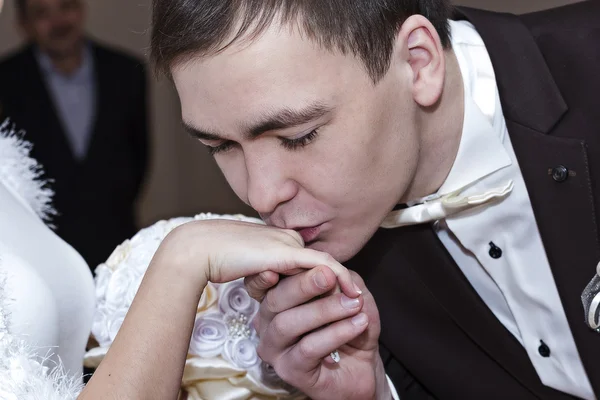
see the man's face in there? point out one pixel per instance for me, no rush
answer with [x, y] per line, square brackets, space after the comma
[304, 136]
[55, 25]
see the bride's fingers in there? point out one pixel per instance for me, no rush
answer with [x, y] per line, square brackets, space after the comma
[258, 285]
[296, 236]
[291, 259]
[297, 290]
[347, 284]
[340, 271]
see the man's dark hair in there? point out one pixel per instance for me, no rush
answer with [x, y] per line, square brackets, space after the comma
[183, 29]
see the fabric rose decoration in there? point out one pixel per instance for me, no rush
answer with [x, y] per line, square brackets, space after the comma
[241, 352]
[209, 335]
[234, 299]
[222, 360]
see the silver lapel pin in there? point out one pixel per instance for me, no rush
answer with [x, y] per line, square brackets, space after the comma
[591, 301]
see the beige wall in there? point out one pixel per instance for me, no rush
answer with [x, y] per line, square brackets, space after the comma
[183, 178]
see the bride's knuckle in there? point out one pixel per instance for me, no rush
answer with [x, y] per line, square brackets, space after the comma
[292, 237]
[287, 263]
[329, 260]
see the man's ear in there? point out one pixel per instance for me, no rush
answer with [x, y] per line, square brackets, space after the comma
[420, 46]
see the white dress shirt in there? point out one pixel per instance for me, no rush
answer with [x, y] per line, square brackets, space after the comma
[74, 97]
[498, 246]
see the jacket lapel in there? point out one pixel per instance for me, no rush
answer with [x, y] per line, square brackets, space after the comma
[566, 219]
[430, 260]
[103, 82]
[52, 137]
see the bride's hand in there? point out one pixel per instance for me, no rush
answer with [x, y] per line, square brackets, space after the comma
[223, 250]
[147, 358]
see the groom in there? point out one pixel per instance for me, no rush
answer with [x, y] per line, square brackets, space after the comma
[448, 156]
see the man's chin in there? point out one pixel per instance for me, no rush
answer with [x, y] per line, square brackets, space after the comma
[64, 50]
[340, 253]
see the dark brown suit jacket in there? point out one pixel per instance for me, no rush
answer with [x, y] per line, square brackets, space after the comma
[439, 340]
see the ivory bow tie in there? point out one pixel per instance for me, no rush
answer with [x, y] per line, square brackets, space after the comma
[443, 206]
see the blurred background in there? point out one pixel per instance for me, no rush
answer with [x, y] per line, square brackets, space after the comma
[182, 179]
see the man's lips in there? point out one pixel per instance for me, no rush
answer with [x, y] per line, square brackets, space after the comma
[309, 234]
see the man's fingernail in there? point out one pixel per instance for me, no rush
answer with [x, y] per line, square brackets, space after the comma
[320, 280]
[357, 289]
[349, 303]
[360, 320]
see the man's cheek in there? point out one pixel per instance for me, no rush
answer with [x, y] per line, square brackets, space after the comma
[237, 180]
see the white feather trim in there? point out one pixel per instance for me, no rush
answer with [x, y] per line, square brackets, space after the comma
[21, 174]
[23, 375]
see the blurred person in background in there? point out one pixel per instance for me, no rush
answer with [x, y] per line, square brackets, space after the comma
[84, 108]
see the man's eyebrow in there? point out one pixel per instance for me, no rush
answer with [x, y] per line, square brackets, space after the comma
[274, 120]
[286, 118]
[199, 133]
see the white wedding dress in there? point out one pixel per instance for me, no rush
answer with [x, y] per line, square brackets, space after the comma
[46, 288]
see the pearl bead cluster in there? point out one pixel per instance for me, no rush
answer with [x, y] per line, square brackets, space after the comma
[238, 326]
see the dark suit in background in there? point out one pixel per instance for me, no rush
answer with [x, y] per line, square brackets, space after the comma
[439, 340]
[95, 195]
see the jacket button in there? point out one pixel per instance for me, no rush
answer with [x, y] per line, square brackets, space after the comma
[544, 350]
[560, 173]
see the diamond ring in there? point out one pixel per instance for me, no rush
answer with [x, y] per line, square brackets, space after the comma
[335, 356]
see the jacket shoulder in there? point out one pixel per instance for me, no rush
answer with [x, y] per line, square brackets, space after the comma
[582, 16]
[117, 58]
[15, 60]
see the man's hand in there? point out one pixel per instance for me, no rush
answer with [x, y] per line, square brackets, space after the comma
[302, 319]
[189, 257]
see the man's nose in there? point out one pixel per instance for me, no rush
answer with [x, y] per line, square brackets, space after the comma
[268, 184]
